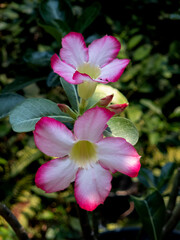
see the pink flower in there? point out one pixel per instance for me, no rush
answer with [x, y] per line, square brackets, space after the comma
[97, 62]
[83, 156]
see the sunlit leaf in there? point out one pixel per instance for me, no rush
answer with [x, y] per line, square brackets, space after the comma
[102, 91]
[123, 127]
[24, 117]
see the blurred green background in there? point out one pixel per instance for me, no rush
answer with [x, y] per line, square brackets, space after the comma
[30, 33]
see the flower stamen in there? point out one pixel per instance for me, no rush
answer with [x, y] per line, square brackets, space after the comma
[83, 153]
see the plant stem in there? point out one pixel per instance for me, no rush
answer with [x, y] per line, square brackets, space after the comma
[13, 222]
[85, 225]
[82, 105]
[171, 224]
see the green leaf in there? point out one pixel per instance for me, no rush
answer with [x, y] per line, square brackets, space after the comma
[71, 93]
[166, 174]
[102, 91]
[24, 117]
[123, 127]
[50, 10]
[87, 17]
[8, 101]
[142, 52]
[135, 40]
[146, 177]
[53, 11]
[57, 31]
[148, 103]
[52, 80]
[40, 59]
[152, 213]
[20, 83]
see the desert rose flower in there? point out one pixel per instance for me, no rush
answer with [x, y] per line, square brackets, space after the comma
[83, 156]
[86, 66]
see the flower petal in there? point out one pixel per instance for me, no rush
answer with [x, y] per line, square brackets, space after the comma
[56, 175]
[64, 70]
[92, 186]
[116, 154]
[91, 124]
[103, 50]
[81, 77]
[53, 137]
[74, 50]
[112, 71]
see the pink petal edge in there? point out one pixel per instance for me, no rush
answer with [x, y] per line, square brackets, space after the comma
[117, 155]
[63, 69]
[103, 50]
[74, 50]
[52, 137]
[55, 175]
[92, 186]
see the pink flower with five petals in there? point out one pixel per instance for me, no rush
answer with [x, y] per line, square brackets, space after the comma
[83, 156]
[97, 62]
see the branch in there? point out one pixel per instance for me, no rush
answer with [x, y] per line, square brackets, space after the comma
[173, 195]
[171, 224]
[13, 222]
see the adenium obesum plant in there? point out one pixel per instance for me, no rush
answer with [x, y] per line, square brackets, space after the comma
[86, 66]
[83, 156]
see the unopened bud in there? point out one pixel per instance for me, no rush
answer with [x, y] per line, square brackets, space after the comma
[106, 100]
[118, 108]
[66, 109]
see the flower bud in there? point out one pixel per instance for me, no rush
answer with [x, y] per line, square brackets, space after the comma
[66, 109]
[118, 108]
[106, 100]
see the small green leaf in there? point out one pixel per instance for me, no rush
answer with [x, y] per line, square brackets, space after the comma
[135, 40]
[152, 213]
[24, 117]
[88, 16]
[8, 101]
[71, 93]
[123, 127]
[142, 52]
[148, 103]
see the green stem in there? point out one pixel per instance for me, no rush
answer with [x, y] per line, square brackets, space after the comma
[82, 105]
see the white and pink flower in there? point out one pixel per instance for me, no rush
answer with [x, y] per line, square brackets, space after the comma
[83, 156]
[95, 63]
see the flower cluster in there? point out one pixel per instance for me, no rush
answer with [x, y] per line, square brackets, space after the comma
[84, 155]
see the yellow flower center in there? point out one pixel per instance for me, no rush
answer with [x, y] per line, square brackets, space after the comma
[83, 153]
[89, 69]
